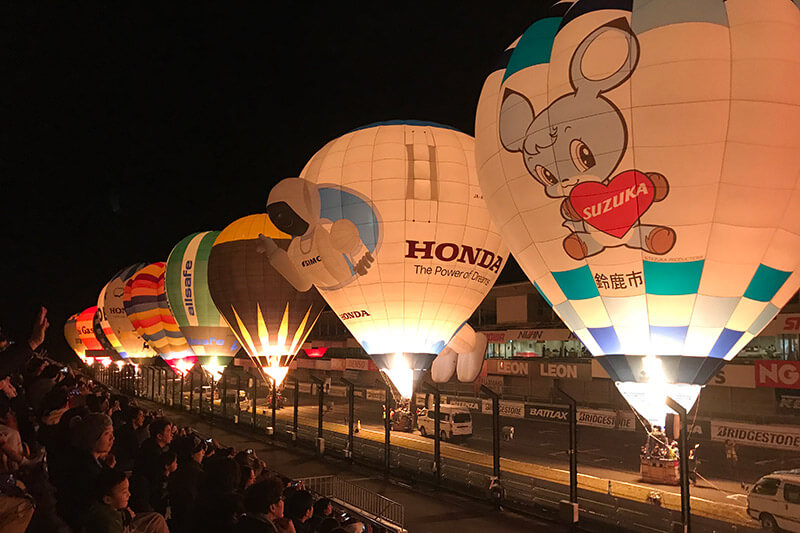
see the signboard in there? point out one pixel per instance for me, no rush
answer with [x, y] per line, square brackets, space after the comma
[784, 324]
[288, 384]
[305, 363]
[497, 337]
[733, 375]
[538, 335]
[580, 371]
[305, 388]
[777, 437]
[356, 364]
[321, 364]
[338, 364]
[338, 390]
[509, 368]
[788, 401]
[597, 418]
[626, 421]
[494, 382]
[376, 395]
[470, 403]
[507, 408]
[546, 413]
[777, 374]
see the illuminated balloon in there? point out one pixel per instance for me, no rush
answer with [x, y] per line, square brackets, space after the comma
[73, 336]
[186, 278]
[145, 302]
[271, 319]
[115, 323]
[389, 223]
[641, 162]
[101, 337]
[85, 328]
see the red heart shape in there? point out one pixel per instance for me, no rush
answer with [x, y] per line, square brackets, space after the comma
[615, 207]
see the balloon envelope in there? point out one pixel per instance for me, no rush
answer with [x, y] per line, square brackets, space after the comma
[186, 279]
[115, 323]
[389, 223]
[270, 318]
[73, 336]
[145, 302]
[641, 163]
[85, 327]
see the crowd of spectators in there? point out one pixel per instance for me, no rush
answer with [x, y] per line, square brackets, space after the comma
[75, 457]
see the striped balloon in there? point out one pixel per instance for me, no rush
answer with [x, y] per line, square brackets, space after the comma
[86, 330]
[73, 337]
[145, 302]
[115, 323]
[186, 280]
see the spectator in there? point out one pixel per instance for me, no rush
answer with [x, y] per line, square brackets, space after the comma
[151, 494]
[300, 508]
[147, 459]
[109, 513]
[323, 508]
[184, 483]
[218, 502]
[263, 505]
[129, 437]
[327, 525]
[92, 438]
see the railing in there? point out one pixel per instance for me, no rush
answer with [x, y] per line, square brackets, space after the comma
[364, 501]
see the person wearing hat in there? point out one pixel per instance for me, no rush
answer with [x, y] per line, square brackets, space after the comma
[92, 437]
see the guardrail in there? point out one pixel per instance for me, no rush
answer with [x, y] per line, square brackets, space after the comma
[364, 501]
[527, 487]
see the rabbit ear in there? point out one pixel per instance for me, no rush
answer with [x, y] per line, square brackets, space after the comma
[581, 83]
[516, 116]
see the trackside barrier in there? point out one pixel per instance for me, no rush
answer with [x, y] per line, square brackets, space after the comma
[605, 505]
[362, 500]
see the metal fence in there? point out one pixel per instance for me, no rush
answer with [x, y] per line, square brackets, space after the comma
[366, 502]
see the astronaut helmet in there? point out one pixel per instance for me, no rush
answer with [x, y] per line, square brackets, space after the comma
[294, 206]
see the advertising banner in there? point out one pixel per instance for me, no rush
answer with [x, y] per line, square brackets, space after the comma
[376, 395]
[507, 408]
[356, 364]
[305, 388]
[777, 374]
[777, 437]
[509, 368]
[546, 413]
[470, 403]
[338, 391]
[598, 418]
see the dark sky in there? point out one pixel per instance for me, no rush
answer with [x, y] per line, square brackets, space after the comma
[122, 130]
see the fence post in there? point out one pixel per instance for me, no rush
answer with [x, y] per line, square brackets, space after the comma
[238, 399]
[321, 399]
[255, 398]
[191, 390]
[296, 404]
[274, 407]
[200, 399]
[224, 396]
[573, 454]
[387, 433]
[683, 458]
[350, 416]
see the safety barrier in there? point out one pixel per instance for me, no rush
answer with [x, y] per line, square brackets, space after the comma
[364, 501]
[526, 487]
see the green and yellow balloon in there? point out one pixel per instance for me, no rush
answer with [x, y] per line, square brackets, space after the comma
[204, 328]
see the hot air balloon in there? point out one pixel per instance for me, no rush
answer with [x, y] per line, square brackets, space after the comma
[186, 279]
[388, 222]
[115, 323]
[73, 336]
[641, 162]
[94, 350]
[270, 318]
[145, 303]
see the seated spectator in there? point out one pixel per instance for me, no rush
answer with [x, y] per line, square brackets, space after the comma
[92, 438]
[12, 452]
[185, 481]
[147, 459]
[109, 512]
[128, 437]
[218, 502]
[263, 505]
[300, 508]
[151, 494]
[323, 508]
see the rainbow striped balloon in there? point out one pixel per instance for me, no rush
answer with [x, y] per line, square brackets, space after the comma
[145, 302]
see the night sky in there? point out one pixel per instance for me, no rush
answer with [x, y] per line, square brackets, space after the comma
[124, 130]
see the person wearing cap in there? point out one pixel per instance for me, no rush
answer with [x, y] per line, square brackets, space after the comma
[92, 438]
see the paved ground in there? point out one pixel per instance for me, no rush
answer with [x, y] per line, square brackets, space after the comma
[426, 510]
